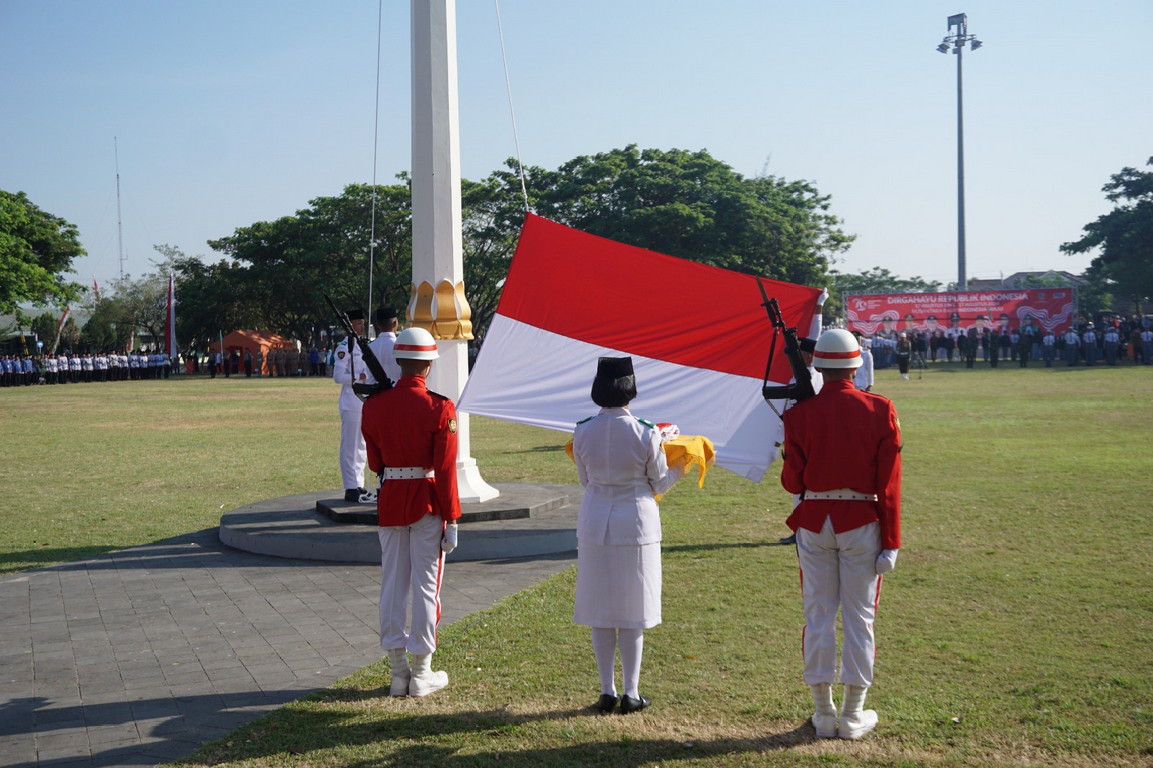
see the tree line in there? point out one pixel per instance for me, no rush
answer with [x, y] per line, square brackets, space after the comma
[273, 275]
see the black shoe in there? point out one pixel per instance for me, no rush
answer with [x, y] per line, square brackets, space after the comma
[352, 494]
[629, 704]
[607, 702]
[789, 539]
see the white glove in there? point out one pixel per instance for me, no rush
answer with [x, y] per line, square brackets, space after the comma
[887, 560]
[448, 541]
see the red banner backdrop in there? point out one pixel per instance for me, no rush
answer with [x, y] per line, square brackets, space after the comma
[885, 314]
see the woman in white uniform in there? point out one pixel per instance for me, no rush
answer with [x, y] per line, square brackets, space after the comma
[621, 466]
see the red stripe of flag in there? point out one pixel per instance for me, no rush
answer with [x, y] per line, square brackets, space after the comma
[647, 303]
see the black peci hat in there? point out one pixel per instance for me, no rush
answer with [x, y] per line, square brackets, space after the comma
[385, 314]
[807, 345]
[355, 314]
[614, 385]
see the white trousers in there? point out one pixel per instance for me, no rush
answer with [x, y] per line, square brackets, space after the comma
[839, 569]
[353, 454]
[411, 567]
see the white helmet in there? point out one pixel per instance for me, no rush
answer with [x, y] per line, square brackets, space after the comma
[415, 344]
[837, 348]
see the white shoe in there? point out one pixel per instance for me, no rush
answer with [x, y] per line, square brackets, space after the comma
[855, 720]
[856, 726]
[423, 680]
[401, 674]
[824, 717]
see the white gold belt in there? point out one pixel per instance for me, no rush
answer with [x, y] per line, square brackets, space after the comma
[844, 494]
[407, 473]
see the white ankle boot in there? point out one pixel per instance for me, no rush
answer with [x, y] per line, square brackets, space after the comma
[398, 658]
[423, 680]
[855, 720]
[825, 717]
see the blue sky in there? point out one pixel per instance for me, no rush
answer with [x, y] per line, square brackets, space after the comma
[228, 112]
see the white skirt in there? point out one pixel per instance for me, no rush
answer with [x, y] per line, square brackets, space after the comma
[618, 586]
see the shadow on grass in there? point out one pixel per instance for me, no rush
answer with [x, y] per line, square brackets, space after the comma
[12, 563]
[199, 549]
[620, 752]
[954, 368]
[726, 545]
[303, 731]
[538, 449]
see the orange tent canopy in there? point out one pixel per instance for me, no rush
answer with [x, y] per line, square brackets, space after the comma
[254, 341]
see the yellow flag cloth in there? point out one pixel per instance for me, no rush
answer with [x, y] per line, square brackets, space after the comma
[698, 449]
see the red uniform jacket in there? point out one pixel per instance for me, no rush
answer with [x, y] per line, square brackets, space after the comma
[845, 438]
[409, 426]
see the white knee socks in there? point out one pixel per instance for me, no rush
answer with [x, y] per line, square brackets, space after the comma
[631, 643]
[605, 650]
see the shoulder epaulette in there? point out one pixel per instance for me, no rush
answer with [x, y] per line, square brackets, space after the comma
[646, 422]
[582, 421]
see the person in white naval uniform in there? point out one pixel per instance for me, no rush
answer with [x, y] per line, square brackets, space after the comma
[863, 378]
[348, 368]
[386, 322]
[621, 466]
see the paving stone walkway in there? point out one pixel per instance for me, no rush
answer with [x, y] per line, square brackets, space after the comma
[137, 657]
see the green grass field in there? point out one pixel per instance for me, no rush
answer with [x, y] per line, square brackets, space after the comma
[1016, 630]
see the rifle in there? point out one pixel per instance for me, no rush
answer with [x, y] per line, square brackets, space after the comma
[802, 386]
[363, 391]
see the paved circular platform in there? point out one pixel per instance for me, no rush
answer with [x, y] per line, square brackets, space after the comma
[527, 519]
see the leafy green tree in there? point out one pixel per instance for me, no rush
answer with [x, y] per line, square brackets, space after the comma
[209, 301]
[492, 212]
[44, 327]
[36, 251]
[686, 204]
[689, 204]
[1124, 265]
[283, 269]
[143, 304]
[1097, 295]
[100, 332]
[1052, 280]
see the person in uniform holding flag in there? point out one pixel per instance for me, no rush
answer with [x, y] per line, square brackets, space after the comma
[621, 466]
[411, 436]
[842, 452]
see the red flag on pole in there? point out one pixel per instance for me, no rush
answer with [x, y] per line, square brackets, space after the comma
[60, 327]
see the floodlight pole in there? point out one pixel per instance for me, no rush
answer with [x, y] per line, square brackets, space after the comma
[961, 281]
[957, 41]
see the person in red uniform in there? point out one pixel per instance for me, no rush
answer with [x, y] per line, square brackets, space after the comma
[842, 452]
[411, 442]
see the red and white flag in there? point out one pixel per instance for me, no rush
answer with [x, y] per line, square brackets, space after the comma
[170, 321]
[698, 335]
[60, 328]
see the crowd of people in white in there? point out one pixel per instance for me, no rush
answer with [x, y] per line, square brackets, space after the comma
[71, 368]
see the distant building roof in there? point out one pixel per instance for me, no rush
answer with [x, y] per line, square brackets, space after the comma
[1023, 280]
